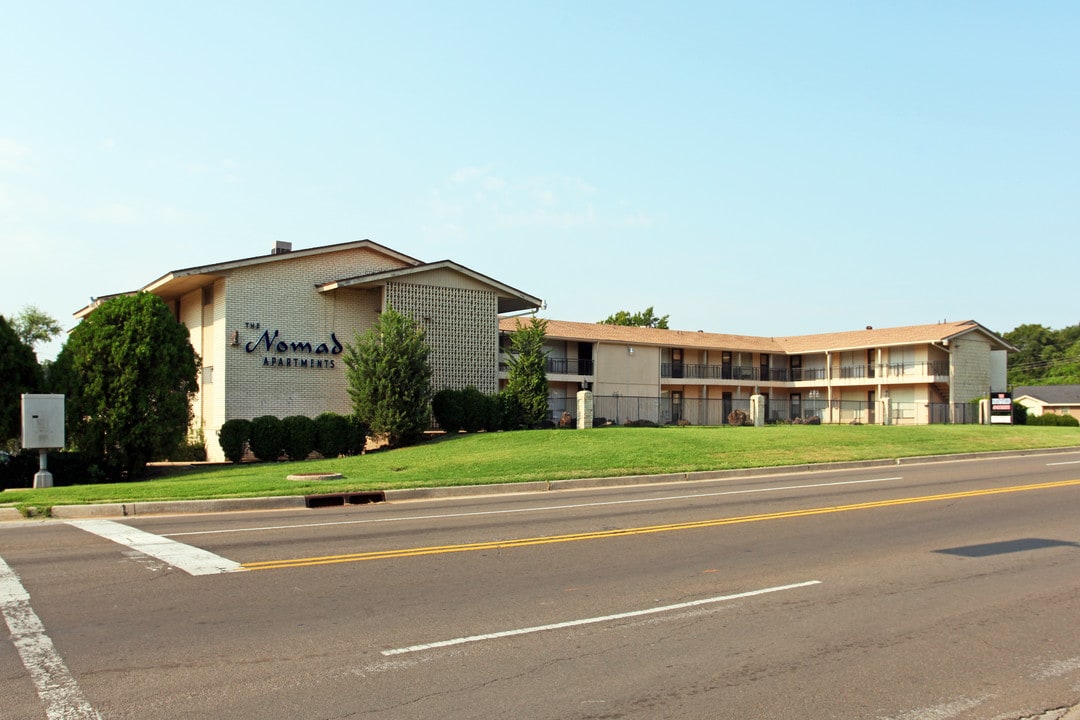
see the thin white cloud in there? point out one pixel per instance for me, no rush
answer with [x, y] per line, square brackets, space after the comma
[475, 196]
[10, 150]
[114, 213]
[468, 174]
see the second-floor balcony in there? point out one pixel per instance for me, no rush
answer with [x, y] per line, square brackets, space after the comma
[689, 371]
[569, 366]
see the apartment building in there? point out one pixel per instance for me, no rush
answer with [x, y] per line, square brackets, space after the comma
[902, 375]
[271, 330]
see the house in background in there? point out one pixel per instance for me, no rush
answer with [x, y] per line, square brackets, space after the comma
[1058, 399]
[913, 375]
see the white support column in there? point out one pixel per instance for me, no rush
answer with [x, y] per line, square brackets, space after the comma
[584, 409]
[757, 410]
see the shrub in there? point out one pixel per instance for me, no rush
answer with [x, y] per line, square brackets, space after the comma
[267, 438]
[738, 417]
[490, 413]
[233, 437]
[1053, 419]
[357, 438]
[192, 449]
[67, 468]
[473, 410]
[300, 436]
[508, 411]
[641, 423]
[331, 434]
[447, 408]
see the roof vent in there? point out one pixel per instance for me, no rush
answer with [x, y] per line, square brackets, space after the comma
[281, 247]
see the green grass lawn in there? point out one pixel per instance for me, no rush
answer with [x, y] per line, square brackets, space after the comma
[561, 454]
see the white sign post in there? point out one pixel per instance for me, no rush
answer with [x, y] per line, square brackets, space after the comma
[42, 429]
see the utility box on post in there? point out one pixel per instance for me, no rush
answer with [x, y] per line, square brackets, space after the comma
[42, 429]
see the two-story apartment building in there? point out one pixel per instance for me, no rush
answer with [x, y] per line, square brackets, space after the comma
[271, 330]
[916, 375]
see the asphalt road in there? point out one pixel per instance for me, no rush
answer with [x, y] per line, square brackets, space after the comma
[945, 590]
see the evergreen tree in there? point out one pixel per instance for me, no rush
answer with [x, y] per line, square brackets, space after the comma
[130, 376]
[389, 377]
[19, 373]
[526, 377]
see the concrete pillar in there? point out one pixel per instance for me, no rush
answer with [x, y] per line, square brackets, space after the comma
[886, 411]
[757, 410]
[584, 409]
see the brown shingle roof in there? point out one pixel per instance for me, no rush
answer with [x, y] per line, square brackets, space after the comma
[910, 335]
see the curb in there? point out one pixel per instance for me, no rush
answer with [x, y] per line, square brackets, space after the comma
[288, 502]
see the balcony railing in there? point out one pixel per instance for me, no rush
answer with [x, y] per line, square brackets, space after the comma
[721, 372]
[569, 366]
[933, 368]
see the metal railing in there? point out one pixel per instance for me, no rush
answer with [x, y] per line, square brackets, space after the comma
[623, 409]
[691, 371]
[569, 366]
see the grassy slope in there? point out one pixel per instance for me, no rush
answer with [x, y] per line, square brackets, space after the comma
[552, 455]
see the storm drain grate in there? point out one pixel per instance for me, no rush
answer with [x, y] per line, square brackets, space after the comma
[342, 499]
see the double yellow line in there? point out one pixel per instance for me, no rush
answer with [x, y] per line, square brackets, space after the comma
[599, 535]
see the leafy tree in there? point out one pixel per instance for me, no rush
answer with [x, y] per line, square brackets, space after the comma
[526, 377]
[19, 373]
[389, 376]
[1045, 357]
[131, 380]
[645, 318]
[34, 326]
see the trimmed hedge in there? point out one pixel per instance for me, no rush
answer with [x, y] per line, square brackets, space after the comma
[267, 438]
[447, 408]
[299, 436]
[1053, 419]
[233, 437]
[332, 434]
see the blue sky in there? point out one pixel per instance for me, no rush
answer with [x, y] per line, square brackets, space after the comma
[766, 168]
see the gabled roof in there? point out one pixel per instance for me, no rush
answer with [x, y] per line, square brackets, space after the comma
[567, 330]
[509, 299]
[1050, 394]
[943, 332]
[793, 345]
[178, 282]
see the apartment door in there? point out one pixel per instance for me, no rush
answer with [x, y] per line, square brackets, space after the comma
[676, 406]
[725, 369]
[796, 405]
[870, 363]
[763, 361]
[585, 358]
[870, 396]
[796, 367]
[676, 363]
[725, 407]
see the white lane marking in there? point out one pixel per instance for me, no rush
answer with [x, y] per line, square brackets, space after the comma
[594, 620]
[54, 683]
[546, 508]
[192, 560]
[1070, 462]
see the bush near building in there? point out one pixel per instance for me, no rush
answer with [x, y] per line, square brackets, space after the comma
[268, 438]
[300, 436]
